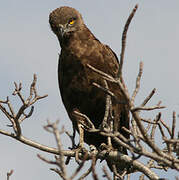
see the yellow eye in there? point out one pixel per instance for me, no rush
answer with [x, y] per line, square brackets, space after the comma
[71, 21]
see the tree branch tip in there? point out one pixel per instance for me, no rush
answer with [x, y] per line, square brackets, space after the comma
[5, 102]
[10, 172]
[9, 125]
[134, 10]
[15, 84]
[141, 64]
[38, 155]
[136, 6]
[41, 97]
[52, 124]
[45, 96]
[42, 158]
[34, 81]
[35, 76]
[20, 85]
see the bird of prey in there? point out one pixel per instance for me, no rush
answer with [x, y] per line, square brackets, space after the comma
[80, 47]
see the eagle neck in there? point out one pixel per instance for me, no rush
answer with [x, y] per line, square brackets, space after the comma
[74, 38]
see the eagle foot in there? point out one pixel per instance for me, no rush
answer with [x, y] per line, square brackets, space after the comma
[79, 150]
[106, 147]
[104, 127]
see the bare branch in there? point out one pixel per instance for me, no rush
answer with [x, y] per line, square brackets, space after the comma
[59, 173]
[95, 177]
[105, 123]
[117, 157]
[124, 36]
[3, 109]
[85, 174]
[173, 141]
[46, 160]
[173, 125]
[106, 174]
[107, 91]
[104, 75]
[87, 124]
[17, 118]
[148, 97]
[10, 107]
[137, 82]
[56, 133]
[27, 115]
[155, 126]
[167, 127]
[81, 165]
[147, 108]
[9, 174]
[148, 121]
[17, 91]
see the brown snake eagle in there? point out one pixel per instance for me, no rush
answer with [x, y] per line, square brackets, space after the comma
[80, 47]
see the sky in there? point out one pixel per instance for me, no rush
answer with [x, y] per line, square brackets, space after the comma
[28, 46]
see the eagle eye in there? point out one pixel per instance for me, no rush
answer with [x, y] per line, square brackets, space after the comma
[72, 21]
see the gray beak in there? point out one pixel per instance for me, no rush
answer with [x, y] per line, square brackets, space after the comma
[62, 30]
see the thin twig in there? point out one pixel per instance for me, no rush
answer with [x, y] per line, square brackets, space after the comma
[116, 173]
[95, 176]
[107, 109]
[124, 36]
[147, 108]
[81, 165]
[137, 82]
[85, 174]
[56, 133]
[117, 157]
[106, 174]
[9, 174]
[87, 124]
[59, 173]
[155, 126]
[17, 91]
[104, 75]
[167, 127]
[148, 121]
[173, 125]
[10, 107]
[172, 140]
[107, 91]
[148, 97]
[128, 176]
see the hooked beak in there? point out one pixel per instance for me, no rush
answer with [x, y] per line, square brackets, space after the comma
[62, 30]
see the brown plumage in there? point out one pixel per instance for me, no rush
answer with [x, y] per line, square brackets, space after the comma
[79, 47]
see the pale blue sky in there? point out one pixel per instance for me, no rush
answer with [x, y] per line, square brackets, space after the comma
[28, 46]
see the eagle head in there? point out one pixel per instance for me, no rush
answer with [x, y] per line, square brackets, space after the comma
[65, 20]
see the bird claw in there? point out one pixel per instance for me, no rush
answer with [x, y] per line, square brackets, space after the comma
[106, 147]
[104, 127]
[78, 150]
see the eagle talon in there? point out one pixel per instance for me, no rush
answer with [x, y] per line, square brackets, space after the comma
[106, 147]
[78, 150]
[73, 147]
[105, 127]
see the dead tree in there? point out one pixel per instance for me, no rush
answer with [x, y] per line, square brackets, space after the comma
[142, 142]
